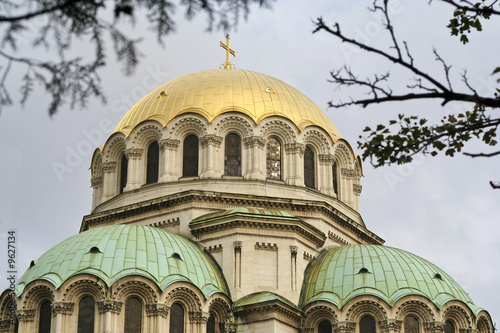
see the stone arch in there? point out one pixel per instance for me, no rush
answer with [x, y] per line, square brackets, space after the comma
[219, 308]
[129, 287]
[231, 123]
[363, 307]
[38, 294]
[145, 133]
[458, 315]
[96, 164]
[7, 304]
[185, 296]
[115, 146]
[484, 323]
[342, 154]
[318, 140]
[319, 312]
[79, 286]
[279, 128]
[417, 308]
[185, 125]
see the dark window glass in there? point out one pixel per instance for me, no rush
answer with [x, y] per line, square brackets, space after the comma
[86, 311]
[309, 176]
[123, 172]
[211, 324]
[176, 319]
[325, 327]
[133, 315]
[232, 155]
[152, 163]
[45, 318]
[411, 325]
[449, 327]
[273, 159]
[190, 156]
[367, 325]
[335, 179]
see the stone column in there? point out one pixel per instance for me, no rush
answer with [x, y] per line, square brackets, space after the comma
[168, 171]
[26, 318]
[296, 174]
[96, 184]
[255, 149]
[59, 311]
[390, 325]
[134, 174]
[159, 313]
[347, 176]
[344, 327]
[109, 310]
[325, 177]
[209, 143]
[293, 257]
[109, 181]
[198, 321]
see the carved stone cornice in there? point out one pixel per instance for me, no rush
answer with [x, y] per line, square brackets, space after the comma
[326, 159]
[390, 325]
[171, 144]
[65, 308]
[344, 327]
[134, 153]
[211, 139]
[109, 305]
[254, 141]
[295, 148]
[337, 238]
[25, 315]
[5, 325]
[266, 246]
[157, 309]
[96, 182]
[434, 327]
[198, 316]
[356, 188]
[109, 167]
[348, 173]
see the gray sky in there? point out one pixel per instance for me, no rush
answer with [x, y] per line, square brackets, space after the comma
[439, 208]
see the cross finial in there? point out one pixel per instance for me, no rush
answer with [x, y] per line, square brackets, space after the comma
[227, 64]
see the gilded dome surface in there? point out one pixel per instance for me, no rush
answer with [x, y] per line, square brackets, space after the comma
[116, 251]
[338, 274]
[212, 92]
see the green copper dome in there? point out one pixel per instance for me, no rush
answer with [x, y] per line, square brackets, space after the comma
[113, 252]
[338, 274]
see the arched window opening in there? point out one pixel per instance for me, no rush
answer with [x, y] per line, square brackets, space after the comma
[232, 155]
[211, 324]
[176, 319]
[335, 178]
[133, 315]
[449, 327]
[309, 173]
[123, 172]
[367, 325]
[190, 156]
[273, 159]
[411, 325]
[45, 318]
[86, 312]
[152, 163]
[325, 327]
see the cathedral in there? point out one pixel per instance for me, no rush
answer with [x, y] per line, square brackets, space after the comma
[226, 201]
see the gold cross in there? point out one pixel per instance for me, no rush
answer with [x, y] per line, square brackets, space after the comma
[227, 64]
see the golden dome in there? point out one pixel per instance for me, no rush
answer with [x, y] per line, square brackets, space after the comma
[212, 92]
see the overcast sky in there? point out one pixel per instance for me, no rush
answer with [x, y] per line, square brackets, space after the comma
[442, 209]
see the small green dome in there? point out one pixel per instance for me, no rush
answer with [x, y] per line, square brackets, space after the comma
[338, 274]
[116, 251]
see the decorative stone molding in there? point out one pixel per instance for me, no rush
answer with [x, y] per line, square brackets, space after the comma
[166, 223]
[211, 139]
[96, 182]
[83, 286]
[326, 159]
[186, 296]
[109, 305]
[278, 128]
[254, 141]
[365, 307]
[293, 250]
[348, 173]
[157, 309]
[237, 246]
[337, 238]
[266, 246]
[390, 325]
[318, 139]
[65, 308]
[417, 307]
[198, 317]
[135, 288]
[109, 167]
[146, 132]
[36, 295]
[25, 315]
[5, 325]
[295, 148]
[308, 256]
[171, 144]
[356, 188]
[188, 125]
[434, 327]
[134, 153]
[344, 327]
[233, 124]
[114, 148]
[214, 248]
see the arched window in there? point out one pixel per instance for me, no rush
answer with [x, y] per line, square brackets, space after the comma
[325, 327]
[123, 172]
[411, 325]
[309, 173]
[449, 327]
[86, 311]
[45, 318]
[273, 159]
[190, 156]
[211, 323]
[367, 325]
[133, 315]
[152, 163]
[232, 155]
[335, 179]
[176, 319]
